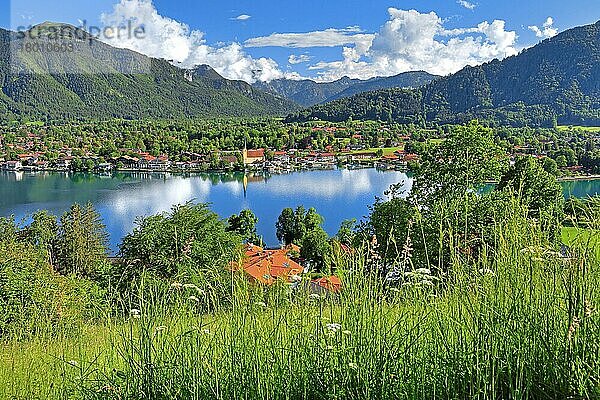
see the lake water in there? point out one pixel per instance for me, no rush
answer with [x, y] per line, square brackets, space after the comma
[120, 198]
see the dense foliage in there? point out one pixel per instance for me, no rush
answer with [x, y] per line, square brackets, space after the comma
[450, 208]
[181, 243]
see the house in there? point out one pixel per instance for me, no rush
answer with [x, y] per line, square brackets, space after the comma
[330, 283]
[28, 159]
[411, 158]
[64, 163]
[269, 266]
[104, 167]
[13, 166]
[253, 156]
[229, 159]
[327, 157]
[127, 161]
[365, 155]
[281, 156]
[41, 165]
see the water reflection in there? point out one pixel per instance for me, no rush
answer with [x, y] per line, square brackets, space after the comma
[121, 197]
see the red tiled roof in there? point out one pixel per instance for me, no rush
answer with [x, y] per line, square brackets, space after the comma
[266, 266]
[331, 283]
[259, 153]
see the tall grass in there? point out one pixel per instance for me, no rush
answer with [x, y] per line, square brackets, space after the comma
[520, 322]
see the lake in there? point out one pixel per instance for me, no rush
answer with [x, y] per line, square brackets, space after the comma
[122, 197]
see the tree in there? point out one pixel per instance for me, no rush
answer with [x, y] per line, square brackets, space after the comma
[316, 248]
[462, 163]
[292, 225]
[286, 226]
[538, 190]
[389, 223]
[181, 243]
[299, 224]
[561, 161]
[345, 234]
[43, 232]
[244, 225]
[312, 220]
[550, 166]
[82, 243]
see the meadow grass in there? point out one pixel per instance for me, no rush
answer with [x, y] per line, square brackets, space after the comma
[520, 322]
[594, 129]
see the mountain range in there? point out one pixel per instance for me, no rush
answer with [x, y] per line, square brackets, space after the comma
[556, 81]
[308, 93]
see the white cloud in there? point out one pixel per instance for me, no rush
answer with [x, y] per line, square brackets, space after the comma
[408, 41]
[411, 40]
[326, 38]
[172, 40]
[243, 17]
[302, 58]
[546, 31]
[466, 4]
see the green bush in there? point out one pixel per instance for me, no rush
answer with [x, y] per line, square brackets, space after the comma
[35, 300]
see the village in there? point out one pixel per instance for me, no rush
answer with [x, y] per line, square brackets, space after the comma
[29, 155]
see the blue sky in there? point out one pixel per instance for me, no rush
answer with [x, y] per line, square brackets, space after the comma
[356, 38]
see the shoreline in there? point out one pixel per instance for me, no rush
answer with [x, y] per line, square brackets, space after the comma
[579, 178]
[254, 171]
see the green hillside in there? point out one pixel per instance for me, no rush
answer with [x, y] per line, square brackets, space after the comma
[96, 80]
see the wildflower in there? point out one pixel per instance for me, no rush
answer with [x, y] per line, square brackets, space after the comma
[423, 271]
[573, 327]
[589, 309]
[161, 328]
[135, 313]
[315, 296]
[486, 271]
[192, 286]
[395, 290]
[346, 333]
[194, 298]
[333, 327]
[206, 331]
[329, 348]
[176, 285]
[73, 363]
[261, 304]
[354, 366]
[295, 278]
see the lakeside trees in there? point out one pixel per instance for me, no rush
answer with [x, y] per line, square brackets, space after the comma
[181, 243]
[244, 224]
[450, 206]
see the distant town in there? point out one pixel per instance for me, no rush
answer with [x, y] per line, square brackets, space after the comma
[570, 151]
